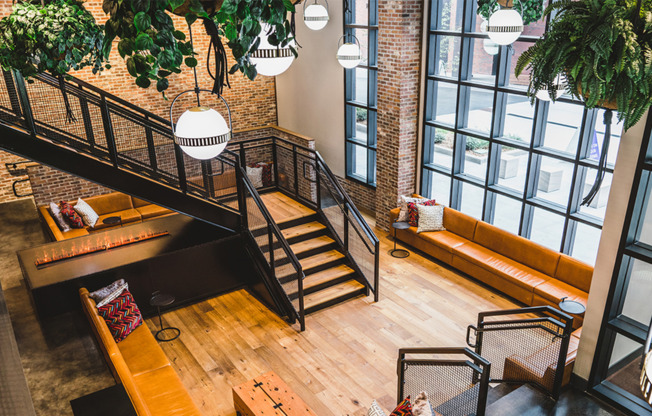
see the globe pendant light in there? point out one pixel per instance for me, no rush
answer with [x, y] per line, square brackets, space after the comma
[349, 54]
[271, 60]
[315, 16]
[490, 46]
[505, 26]
[544, 95]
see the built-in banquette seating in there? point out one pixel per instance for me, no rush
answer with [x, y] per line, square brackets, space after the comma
[131, 210]
[139, 364]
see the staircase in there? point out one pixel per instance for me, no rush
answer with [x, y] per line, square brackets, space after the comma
[312, 251]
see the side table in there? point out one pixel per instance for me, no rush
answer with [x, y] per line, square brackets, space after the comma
[402, 253]
[571, 306]
[158, 300]
[112, 220]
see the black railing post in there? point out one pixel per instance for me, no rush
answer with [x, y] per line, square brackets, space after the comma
[346, 225]
[275, 161]
[243, 156]
[484, 389]
[296, 171]
[88, 122]
[181, 168]
[317, 168]
[108, 131]
[376, 271]
[270, 236]
[151, 150]
[561, 362]
[207, 176]
[242, 198]
[13, 94]
[24, 100]
[302, 314]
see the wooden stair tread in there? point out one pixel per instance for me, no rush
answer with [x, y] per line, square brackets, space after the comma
[332, 292]
[283, 208]
[302, 229]
[323, 276]
[321, 258]
[313, 243]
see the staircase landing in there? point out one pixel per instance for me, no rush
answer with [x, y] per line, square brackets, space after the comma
[282, 208]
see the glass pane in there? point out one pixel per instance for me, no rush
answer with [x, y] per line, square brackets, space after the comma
[475, 157]
[625, 365]
[441, 101]
[585, 246]
[563, 127]
[372, 170]
[373, 47]
[360, 12]
[598, 138]
[441, 149]
[637, 305]
[547, 229]
[472, 200]
[373, 86]
[448, 61]
[440, 187]
[357, 161]
[513, 168]
[521, 83]
[554, 180]
[507, 213]
[519, 115]
[644, 233]
[356, 123]
[363, 38]
[481, 103]
[485, 61]
[372, 129]
[598, 206]
[358, 84]
[447, 15]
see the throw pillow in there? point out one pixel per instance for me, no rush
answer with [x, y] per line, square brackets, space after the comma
[255, 176]
[56, 214]
[87, 213]
[421, 406]
[121, 315]
[375, 410]
[266, 177]
[403, 409]
[108, 293]
[71, 215]
[403, 213]
[431, 218]
[413, 214]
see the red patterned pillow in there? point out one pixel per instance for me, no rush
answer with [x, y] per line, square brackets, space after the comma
[413, 212]
[121, 315]
[403, 409]
[71, 215]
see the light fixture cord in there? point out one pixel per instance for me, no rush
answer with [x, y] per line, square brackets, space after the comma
[602, 164]
[221, 77]
[70, 117]
[194, 69]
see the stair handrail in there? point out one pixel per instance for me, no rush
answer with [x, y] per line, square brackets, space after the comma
[274, 228]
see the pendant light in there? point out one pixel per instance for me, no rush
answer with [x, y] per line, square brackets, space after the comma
[349, 54]
[315, 16]
[271, 60]
[201, 132]
[544, 95]
[490, 47]
[505, 26]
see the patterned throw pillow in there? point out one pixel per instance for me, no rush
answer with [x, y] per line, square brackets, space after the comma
[121, 315]
[375, 410]
[56, 214]
[403, 409]
[403, 213]
[255, 176]
[413, 214]
[431, 218]
[71, 215]
[87, 213]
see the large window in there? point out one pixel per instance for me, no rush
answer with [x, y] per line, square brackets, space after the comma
[491, 154]
[617, 363]
[361, 21]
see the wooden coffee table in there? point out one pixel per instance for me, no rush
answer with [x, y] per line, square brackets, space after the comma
[268, 395]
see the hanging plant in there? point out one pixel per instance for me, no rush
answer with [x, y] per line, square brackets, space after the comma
[56, 37]
[603, 51]
[530, 10]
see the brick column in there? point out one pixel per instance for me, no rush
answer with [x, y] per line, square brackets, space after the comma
[399, 64]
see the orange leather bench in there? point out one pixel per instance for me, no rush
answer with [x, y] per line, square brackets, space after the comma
[139, 364]
[129, 209]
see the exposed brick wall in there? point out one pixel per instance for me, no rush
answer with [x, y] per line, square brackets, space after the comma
[364, 197]
[399, 61]
[51, 185]
[7, 178]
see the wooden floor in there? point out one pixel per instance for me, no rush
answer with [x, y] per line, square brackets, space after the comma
[283, 208]
[347, 356]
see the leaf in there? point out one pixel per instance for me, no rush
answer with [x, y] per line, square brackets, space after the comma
[131, 67]
[143, 82]
[125, 47]
[191, 62]
[190, 19]
[142, 21]
[176, 3]
[166, 59]
[144, 42]
[140, 5]
[162, 84]
[179, 35]
[289, 6]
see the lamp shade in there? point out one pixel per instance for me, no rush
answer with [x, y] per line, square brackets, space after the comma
[315, 16]
[490, 47]
[202, 133]
[271, 60]
[544, 95]
[505, 26]
[349, 54]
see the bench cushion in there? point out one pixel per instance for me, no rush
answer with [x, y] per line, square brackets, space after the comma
[460, 224]
[128, 216]
[554, 290]
[164, 393]
[151, 211]
[443, 239]
[108, 203]
[141, 352]
[574, 272]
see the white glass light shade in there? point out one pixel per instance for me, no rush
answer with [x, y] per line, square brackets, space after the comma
[349, 55]
[505, 26]
[483, 26]
[490, 47]
[202, 123]
[315, 16]
[271, 60]
[544, 95]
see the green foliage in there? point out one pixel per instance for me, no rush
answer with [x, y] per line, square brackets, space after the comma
[56, 37]
[240, 23]
[360, 114]
[530, 10]
[603, 51]
[473, 143]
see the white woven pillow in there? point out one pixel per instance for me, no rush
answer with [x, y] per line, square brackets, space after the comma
[421, 406]
[58, 217]
[431, 218]
[87, 213]
[375, 410]
[108, 293]
[403, 213]
[255, 176]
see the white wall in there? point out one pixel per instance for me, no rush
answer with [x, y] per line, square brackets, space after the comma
[310, 95]
[630, 145]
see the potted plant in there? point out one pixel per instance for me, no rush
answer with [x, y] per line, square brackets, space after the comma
[530, 10]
